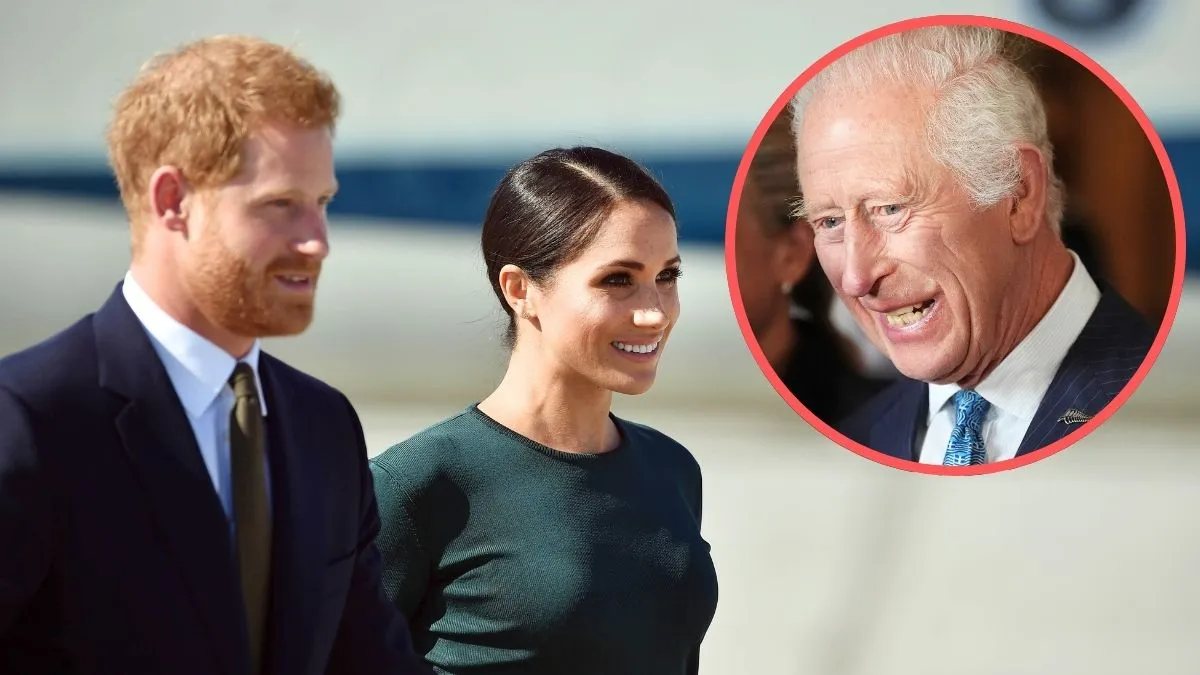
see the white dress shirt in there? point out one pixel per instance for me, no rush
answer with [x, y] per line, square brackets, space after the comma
[199, 371]
[1016, 387]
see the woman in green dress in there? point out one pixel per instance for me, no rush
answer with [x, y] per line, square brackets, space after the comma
[534, 531]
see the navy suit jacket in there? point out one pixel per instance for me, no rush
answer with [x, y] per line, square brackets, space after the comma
[115, 553]
[1104, 357]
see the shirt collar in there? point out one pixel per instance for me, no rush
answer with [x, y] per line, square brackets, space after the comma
[1018, 383]
[199, 369]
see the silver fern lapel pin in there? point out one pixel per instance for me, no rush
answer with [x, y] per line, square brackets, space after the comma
[1074, 416]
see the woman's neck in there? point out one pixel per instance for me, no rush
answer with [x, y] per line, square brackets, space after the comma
[778, 342]
[537, 400]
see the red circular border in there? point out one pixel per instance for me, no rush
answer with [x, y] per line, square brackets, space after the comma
[1147, 128]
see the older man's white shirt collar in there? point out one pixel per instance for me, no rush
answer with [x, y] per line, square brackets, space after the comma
[198, 369]
[1019, 382]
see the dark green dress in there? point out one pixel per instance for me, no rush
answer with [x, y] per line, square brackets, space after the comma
[507, 556]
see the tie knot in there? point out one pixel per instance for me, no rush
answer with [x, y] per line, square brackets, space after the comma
[242, 381]
[970, 409]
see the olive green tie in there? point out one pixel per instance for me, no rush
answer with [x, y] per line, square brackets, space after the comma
[251, 513]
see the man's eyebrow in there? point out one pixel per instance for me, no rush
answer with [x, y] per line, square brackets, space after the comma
[799, 209]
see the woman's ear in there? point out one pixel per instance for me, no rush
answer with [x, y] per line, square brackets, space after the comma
[516, 286]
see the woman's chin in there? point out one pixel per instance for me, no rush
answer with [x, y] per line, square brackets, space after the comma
[631, 386]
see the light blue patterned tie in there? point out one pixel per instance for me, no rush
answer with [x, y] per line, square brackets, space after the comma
[966, 441]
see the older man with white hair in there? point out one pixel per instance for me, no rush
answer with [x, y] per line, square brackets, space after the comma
[927, 176]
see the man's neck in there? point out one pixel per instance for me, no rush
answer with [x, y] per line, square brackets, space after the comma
[165, 291]
[1044, 280]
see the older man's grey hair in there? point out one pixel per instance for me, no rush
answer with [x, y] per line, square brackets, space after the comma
[985, 103]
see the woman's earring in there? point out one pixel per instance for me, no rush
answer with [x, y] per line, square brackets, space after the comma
[786, 287]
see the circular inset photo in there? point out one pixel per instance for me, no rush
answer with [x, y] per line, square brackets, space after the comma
[955, 245]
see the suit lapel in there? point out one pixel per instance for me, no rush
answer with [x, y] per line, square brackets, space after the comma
[895, 435]
[1048, 426]
[1108, 352]
[297, 561]
[162, 447]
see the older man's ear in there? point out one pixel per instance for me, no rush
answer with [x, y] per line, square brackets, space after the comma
[1027, 210]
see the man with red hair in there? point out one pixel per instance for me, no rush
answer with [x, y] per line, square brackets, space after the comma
[173, 499]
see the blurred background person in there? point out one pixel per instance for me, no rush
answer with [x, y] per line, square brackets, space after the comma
[787, 300]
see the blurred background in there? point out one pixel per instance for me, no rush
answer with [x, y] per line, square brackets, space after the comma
[829, 563]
